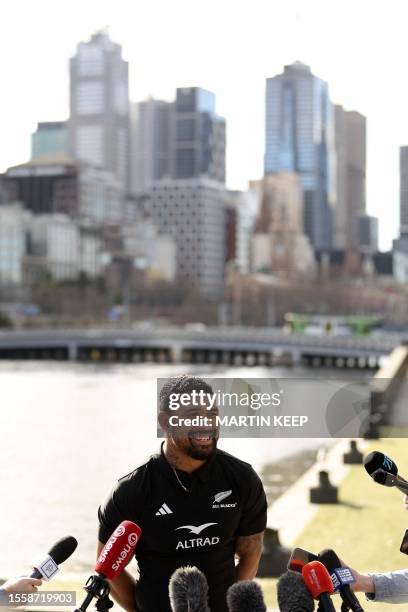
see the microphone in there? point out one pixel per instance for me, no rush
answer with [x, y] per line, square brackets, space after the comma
[245, 596]
[299, 558]
[318, 581]
[113, 559]
[341, 578]
[59, 553]
[293, 594]
[384, 471]
[188, 590]
[376, 460]
[118, 550]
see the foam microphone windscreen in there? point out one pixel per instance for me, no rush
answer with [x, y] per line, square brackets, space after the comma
[63, 549]
[245, 596]
[378, 461]
[329, 559]
[118, 550]
[188, 590]
[293, 594]
[317, 579]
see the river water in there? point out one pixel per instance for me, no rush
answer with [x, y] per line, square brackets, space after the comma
[67, 431]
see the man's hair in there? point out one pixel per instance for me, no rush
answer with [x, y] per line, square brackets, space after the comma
[179, 385]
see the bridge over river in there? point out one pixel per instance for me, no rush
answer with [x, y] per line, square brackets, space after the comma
[217, 345]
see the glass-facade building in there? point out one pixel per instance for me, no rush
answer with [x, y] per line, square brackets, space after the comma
[199, 136]
[150, 138]
[404, 191]
[50, 138]
[99, 106]
[299, 138]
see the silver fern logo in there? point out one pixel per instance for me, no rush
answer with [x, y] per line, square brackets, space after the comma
[221, 496]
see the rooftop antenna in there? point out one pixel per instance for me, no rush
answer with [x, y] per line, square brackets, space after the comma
[297, 32]
[104, 30]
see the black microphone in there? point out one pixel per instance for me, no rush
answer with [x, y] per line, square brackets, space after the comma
[376, 461]
[339, 578]
[293, 594]
[188, 590]
[245, 596]
[384, 471]
[59, 553]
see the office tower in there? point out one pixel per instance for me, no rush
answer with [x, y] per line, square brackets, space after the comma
[199, 136]
[99, 106]
[58, 184]
[193, 213]
[299, 138]
[404, 191]
[150, 141]
[279, 244]
[14, 221]
[400, 245]
[350, 177]
[50, 138]
[367, 234]
[55, 239]
[242, 210]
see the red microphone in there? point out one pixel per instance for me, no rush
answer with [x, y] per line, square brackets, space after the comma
[319, 583]
[118, 550]
[113, 559]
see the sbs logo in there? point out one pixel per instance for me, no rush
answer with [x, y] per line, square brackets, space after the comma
[132, 539]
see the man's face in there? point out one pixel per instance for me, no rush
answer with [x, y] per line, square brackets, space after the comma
[196, 432]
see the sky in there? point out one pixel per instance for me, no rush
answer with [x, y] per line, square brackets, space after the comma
[229, 47]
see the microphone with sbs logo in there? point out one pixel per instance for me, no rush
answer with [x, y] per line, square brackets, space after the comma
[188, 590]
[113, 559]
[60, 552]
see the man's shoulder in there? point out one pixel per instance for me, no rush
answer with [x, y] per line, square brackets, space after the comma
[235, 464]
[140, 472]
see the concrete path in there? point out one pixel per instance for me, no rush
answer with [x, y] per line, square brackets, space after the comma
[293, 511]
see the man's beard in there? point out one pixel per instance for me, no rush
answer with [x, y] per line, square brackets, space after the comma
[195, 452]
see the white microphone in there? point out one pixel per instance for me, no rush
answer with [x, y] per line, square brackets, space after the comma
[59, 553]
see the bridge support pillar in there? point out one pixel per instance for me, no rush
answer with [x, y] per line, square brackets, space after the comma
[296, 357]
[72, 351]
[176, 353]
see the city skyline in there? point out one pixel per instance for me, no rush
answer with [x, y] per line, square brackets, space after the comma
[167, 52]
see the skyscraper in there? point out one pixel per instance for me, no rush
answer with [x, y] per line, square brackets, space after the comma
[150, 138]
[193, 213]
[279, 245]
[99, 106]
[350, 177]
[368, 234]
[199, 136]
[404, 191]
[299, 138]
[50, 138]
[400, 245]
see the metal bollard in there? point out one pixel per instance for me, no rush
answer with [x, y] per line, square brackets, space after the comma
[325, 492]
[274, 558]
[371, 430]
[354, 456]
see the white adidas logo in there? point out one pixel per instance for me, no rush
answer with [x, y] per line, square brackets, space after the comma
[164, 510]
